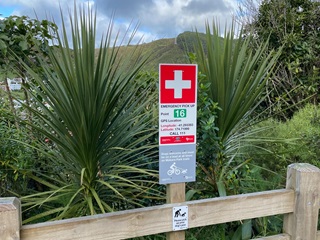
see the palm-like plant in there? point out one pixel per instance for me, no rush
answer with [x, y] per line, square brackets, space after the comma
[237, 78]
[92, 110]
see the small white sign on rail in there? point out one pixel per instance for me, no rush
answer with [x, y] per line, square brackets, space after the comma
[180, 218]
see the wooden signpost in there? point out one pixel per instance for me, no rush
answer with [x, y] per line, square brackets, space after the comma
[177, 137]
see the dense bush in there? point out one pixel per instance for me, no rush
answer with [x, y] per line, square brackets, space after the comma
[16, 154]
[302, 133]
[293, 26]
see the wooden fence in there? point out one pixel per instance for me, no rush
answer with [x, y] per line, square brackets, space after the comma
[299, 203]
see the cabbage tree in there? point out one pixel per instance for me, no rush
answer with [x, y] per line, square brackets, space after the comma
[237, 76]
[93, 115]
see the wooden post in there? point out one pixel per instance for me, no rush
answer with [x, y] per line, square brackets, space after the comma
[175, 194]
[304, 179]
[10, 218]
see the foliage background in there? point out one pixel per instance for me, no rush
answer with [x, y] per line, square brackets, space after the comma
[55, 168]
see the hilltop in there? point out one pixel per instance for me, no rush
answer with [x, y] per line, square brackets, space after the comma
[167, 50]
[163, 51]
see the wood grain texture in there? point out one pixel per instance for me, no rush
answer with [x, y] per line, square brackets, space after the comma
[176, 193]
[240, 207]
[275, 237]
[304, 179]
[299, 202]
[10, 219]
[153, 220]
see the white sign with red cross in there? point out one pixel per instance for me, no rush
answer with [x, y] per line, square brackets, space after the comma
[177, 122]
[177, 103]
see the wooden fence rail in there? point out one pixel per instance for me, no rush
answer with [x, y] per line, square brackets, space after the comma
[299, 203]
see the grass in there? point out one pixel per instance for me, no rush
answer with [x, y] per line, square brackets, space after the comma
[161, 51]
[164, 50]
[18, 94]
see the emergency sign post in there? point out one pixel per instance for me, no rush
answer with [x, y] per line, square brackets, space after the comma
[177, 122]
[177, 131]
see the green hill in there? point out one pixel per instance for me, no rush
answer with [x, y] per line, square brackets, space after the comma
[171, 50]
[167, 50]
[163, 51]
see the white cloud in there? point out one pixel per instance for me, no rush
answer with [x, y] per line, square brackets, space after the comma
[158, 18]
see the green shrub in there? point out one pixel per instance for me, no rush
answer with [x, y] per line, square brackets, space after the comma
[16, 154]
[302, 133]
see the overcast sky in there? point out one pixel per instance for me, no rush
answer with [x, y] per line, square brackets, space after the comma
[157, 18]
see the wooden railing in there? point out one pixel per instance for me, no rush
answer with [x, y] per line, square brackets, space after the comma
[299, 203]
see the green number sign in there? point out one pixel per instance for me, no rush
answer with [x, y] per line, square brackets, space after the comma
[180, 113]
